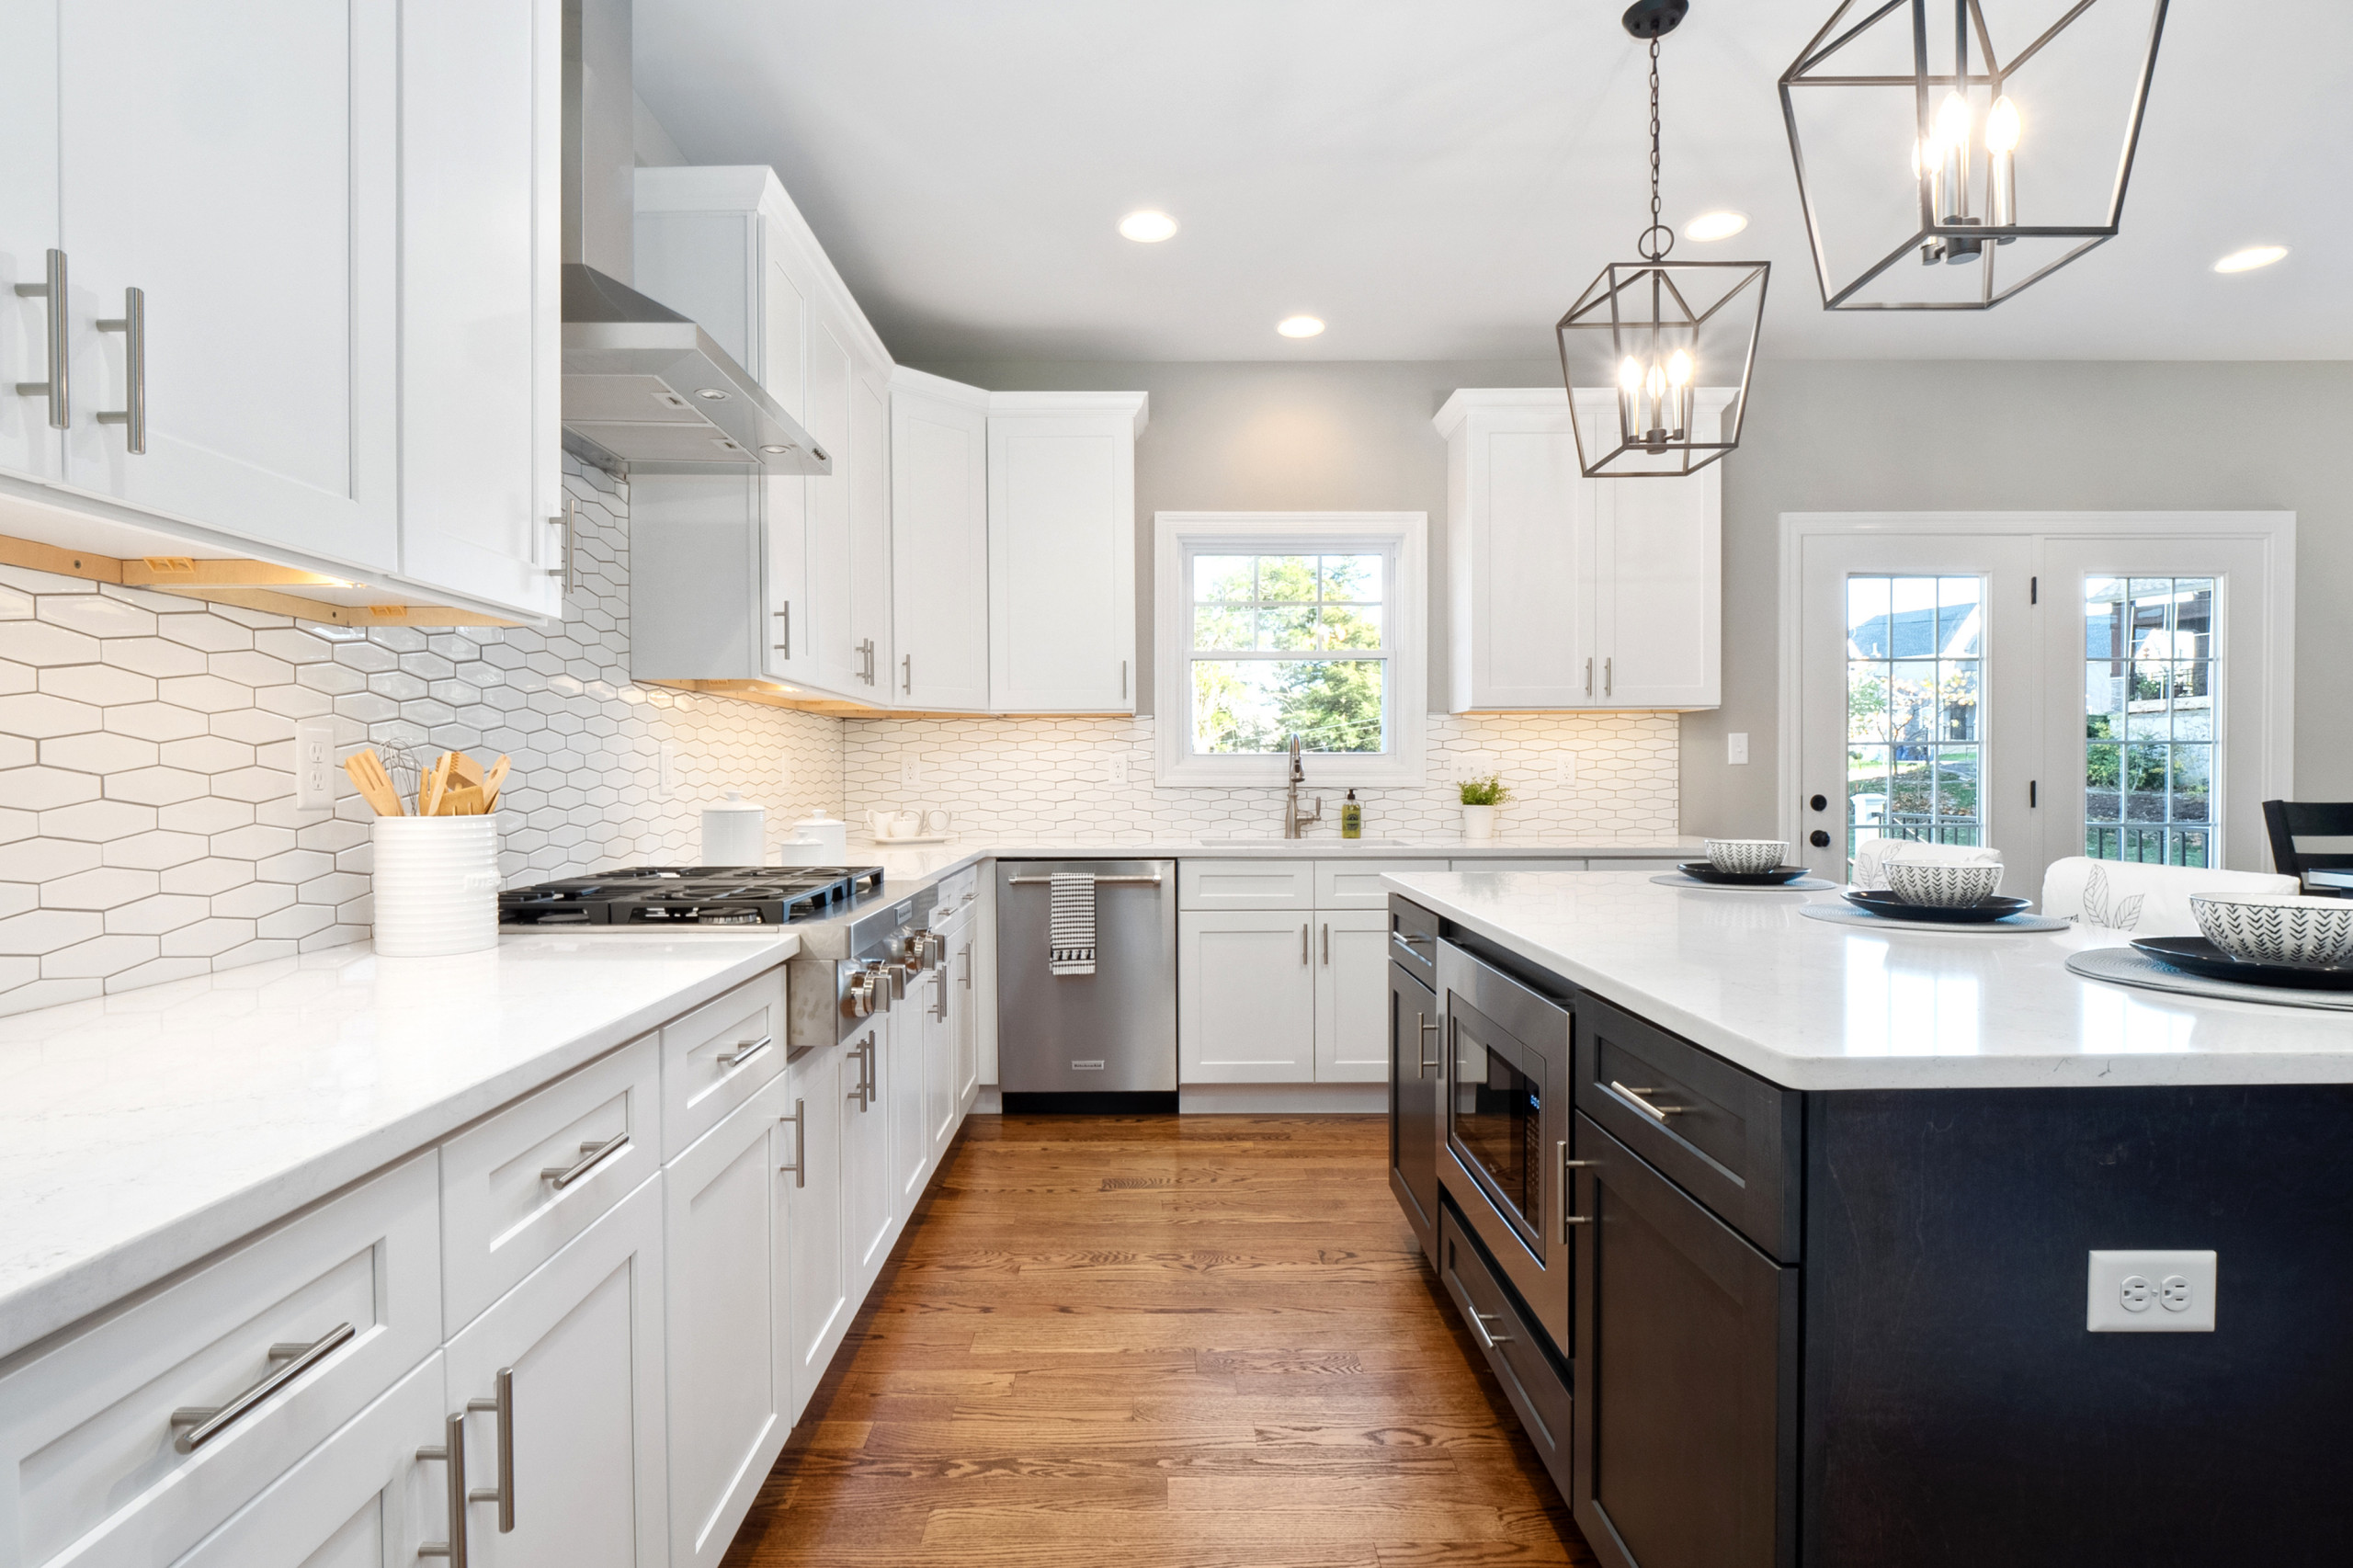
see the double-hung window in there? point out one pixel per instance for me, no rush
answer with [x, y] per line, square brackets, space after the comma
[1276, 625]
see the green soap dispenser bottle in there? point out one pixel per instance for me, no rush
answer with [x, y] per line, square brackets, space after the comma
[1351, 817]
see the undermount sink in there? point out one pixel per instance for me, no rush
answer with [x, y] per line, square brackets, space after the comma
[1319, 845]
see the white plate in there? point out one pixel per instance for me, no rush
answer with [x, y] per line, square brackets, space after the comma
[915, 838]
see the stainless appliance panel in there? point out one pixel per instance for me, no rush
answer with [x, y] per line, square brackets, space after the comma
[1110, 1032]
[1506, 1099]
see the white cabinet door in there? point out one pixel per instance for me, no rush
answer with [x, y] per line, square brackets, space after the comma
[240, 165]
[817, 1277]
[867, 1191]
[723, 1236]
[481, 498]
[783, 369]
[361, 1499]
[1520, 558]
[1658, 581]
[28, 444]
[1351, 996]
[911, 1030]
[839, 665]
[939, 541]
[1062, 553]
[1245, 997]
[582, 1341]
[870, 538]
[940, 1109]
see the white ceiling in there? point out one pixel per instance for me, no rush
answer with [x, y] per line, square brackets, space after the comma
[1440, 181]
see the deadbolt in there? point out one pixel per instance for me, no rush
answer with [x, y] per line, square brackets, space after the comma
[1820, 802]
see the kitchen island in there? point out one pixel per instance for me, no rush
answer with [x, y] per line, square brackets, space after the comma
[1816, 1272]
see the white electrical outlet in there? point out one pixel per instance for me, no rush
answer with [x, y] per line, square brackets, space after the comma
[1115, 770]
[910, 773]
[1737, 747]
[665, 758]
[1565, 769]
[2151, 1292]
[315, 765]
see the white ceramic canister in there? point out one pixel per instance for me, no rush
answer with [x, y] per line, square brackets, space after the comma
[734, 832]
[435, 885]
[1478, 823]
[818, 840]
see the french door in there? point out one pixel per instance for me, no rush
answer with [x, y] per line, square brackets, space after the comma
[2116, 687]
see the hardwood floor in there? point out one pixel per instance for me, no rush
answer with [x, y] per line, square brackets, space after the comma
[1159, 1342]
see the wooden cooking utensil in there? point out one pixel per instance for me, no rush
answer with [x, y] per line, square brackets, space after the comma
[375, 786]
[491, 783]
[436, 780]
[464, 771]
[461, 800]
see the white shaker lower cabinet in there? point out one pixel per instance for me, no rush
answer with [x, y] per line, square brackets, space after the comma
[1351, 996]
[361, 1499]
[580, 1346]
[809, 1138]
[1245, 997]
[939, 541]
[964, 1009]
[1061, 550]
[949, 1036]
[869, 1205]
[915, 1035]
[728, 1322]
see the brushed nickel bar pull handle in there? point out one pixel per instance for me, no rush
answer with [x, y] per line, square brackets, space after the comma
[568, 521]
[54, 389]
[503, 1406]
[1588, 677]
[940, 1010]
[1658, 1112]
[1327, 944]
[745, 1050]
[132, 414]
[206, 1423]
[1427, 1028]
[1124, 680]
[450, 1451]
[907, 674]
[1302, 944]
[1605, 676]
[1099, 881]
[1479, 1320]
[591, 1156]
[800, 1167]
[965, 979]
[1568, 1186]
[784, 647]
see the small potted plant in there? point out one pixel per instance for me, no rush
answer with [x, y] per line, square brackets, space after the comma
[1479, 798]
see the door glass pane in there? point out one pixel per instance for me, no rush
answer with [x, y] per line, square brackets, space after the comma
[2149, 734]
[1914, 719]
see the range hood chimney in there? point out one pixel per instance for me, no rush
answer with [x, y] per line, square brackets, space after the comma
[644, 388]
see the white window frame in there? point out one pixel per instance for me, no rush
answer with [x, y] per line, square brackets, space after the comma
[1402, 537]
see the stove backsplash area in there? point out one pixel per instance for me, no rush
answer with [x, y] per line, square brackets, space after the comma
[147, 820]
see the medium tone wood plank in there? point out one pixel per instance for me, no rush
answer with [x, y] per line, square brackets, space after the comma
[1198, 1342]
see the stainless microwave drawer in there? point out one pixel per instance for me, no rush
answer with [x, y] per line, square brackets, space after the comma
[1728, 1138]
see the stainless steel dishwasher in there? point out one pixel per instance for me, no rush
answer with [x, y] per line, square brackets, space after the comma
[1100, 1042]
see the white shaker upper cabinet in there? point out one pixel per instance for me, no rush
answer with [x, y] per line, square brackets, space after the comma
[1062, 552]
[869, 480]
[939, 541]
[1568, 591]
[30, 445]
[482, 497]
[237, 165]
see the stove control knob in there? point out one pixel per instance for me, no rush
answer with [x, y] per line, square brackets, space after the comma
[888, 981]
[858, 996]
[912, 950]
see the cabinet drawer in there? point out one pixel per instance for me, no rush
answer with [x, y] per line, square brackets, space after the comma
[1246, 884]
[90, 1465]
[518, 1187]
[957, 890]
[718, 1056]
[1356, 884]
[1536, 1388]
[1548, 863]
[1725, 1136]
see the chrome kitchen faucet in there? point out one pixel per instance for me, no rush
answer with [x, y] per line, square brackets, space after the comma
[1293, 821]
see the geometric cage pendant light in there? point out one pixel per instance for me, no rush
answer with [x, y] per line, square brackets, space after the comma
[1657, 354]
[1991, 139]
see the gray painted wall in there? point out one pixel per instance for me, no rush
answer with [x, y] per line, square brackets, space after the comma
[1821, 436]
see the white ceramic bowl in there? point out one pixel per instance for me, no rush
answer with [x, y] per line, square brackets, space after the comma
[2277, 927]
[1942, 884]
[1746, 856]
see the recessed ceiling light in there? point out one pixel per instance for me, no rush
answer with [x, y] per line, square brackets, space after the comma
[1715, 226]
[778, 450]
[712, 394]
[1299, 326]
[1147, 227]
[2247, 260]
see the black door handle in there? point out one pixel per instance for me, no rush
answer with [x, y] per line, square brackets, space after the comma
[1819, 839]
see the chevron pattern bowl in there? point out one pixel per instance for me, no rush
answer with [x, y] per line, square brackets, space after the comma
[1746, 856]
[2277, 927]
[1942, 884]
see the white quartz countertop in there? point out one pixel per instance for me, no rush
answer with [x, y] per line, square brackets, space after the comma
[141, 1132]
[1815, 1005]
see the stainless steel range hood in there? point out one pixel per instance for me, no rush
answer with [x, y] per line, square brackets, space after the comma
[644, 388]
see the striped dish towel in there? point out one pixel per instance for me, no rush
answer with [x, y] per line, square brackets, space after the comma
[1070, 932]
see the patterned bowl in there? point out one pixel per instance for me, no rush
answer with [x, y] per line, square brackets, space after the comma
[1940, 883]
[1746, 856]
[2277, 927]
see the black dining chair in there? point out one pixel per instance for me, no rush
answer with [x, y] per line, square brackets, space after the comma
[2292, 822]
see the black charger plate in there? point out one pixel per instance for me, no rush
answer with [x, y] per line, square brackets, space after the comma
[1983, 913]
[2196, 955]
[1705, 871]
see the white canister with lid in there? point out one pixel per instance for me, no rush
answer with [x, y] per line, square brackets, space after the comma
[817, 840]
[734, 833]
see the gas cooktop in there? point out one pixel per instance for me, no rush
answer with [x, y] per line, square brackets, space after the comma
[694, 895]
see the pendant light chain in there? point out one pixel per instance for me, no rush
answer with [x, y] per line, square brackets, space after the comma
[1649, 245]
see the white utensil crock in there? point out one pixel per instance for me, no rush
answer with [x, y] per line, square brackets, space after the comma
[435, 885]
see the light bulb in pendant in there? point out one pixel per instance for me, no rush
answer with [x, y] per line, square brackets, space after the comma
[2002, 126]
[2001, 163]
[1952, 122]
[1629, 375]
[1678, 370]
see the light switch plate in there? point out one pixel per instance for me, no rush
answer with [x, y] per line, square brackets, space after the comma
[315, 765]
[2151, 1292]
[1737, 747]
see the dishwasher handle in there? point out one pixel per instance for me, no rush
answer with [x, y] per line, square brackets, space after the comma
[1099, 881]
